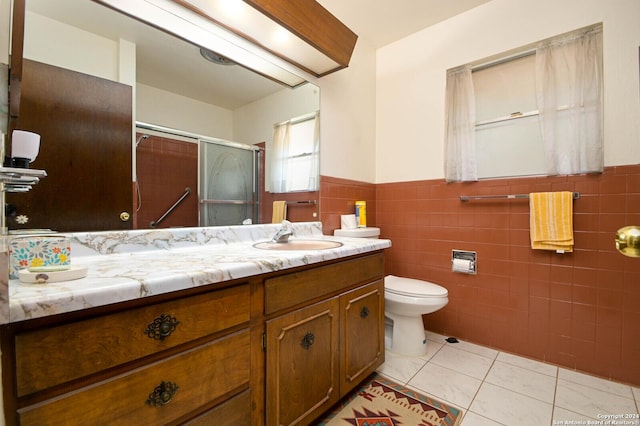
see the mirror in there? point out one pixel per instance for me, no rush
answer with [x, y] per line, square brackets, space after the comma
[174, 87]
[5, 37]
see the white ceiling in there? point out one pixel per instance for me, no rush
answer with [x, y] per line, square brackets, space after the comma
[380, 22]
[377, 23]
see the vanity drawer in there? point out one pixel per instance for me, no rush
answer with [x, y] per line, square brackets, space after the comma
[234, 412]
[292, 289]
[55, 355]
[191, 379]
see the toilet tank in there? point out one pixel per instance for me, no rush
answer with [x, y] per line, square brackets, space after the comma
[368, 232]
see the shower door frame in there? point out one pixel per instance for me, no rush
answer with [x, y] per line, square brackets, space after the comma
[257, 164]
[257, 173]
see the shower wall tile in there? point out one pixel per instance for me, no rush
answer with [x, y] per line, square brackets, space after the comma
[158, 189]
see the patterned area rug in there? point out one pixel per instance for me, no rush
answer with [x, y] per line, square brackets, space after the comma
[381, 402]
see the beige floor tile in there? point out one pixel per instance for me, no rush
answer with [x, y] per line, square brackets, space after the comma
[529, 364]
[590, 401]
[462, 361]
[511, 408]
[595, 382]
[472, 419]
[446, 385]
[527, 382]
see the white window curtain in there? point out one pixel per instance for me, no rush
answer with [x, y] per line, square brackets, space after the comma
[314, 172]
[295, 167]
[460, 117]
[279, 157]
[569, 93]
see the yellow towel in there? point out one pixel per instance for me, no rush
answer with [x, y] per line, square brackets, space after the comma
[279, 211]
[551, 220]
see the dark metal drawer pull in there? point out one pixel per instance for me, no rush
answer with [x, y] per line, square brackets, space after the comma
[307, 340]
[162, 394]
[161, 327]
[364, 312]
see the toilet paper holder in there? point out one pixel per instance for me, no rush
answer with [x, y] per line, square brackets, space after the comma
[464, 261]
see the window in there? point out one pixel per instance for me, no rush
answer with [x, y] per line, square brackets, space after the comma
[506, 126]
[536, 112]
[295, 157]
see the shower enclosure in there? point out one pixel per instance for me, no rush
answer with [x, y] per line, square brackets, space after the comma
[228, 183]
[223, 175]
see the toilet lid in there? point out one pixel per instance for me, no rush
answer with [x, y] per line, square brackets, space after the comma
[411, 287]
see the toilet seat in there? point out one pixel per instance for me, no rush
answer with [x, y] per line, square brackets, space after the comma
[414, 288]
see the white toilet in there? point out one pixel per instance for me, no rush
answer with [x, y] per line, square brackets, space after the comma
[406, 300]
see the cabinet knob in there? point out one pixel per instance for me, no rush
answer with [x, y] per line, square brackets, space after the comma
[161, 327]
[364, 312]
[125, 216]
[162, 394]
[307, 340]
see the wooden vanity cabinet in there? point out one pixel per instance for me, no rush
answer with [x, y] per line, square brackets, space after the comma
[275, 349]
[303, 375]
[323, 338]
[361, 334]
[182, 360]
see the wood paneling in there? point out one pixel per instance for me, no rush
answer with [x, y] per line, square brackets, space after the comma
[299, 287]
[77, 349]
[85, 124]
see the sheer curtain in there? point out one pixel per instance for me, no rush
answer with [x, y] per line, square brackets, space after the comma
[314, 172]
[280, 155]
[569, 93]
[460, 117]
[295, 158]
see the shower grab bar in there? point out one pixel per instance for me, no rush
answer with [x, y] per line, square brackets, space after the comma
[228, 202]
[576, 195]
[307, 202]
[155, 223]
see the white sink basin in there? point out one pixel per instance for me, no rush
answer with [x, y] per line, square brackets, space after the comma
[298, 245]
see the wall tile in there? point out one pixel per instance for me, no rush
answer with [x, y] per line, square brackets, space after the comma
[558, 308]
[569, 300]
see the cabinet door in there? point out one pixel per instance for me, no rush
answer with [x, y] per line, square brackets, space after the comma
[362, 333]
[302, 363]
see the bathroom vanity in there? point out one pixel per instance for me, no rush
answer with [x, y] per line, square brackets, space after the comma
[195, 326]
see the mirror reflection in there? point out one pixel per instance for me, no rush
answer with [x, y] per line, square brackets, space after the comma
[129, 116]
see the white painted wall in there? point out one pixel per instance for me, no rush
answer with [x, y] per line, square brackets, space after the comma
[62, 45]
[157, 106]
[347, 127]
[411, 77]
[253, 123]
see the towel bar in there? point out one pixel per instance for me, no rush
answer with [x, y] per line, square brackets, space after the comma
[309, 202]
[576, 195]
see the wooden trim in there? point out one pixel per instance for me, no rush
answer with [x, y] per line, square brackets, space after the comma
[312, 23]
[15, 62]
[305, 18]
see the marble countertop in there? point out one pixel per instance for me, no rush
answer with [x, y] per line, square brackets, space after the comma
[128, 265]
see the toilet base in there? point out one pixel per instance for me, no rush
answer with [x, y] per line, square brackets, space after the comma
[407, 335]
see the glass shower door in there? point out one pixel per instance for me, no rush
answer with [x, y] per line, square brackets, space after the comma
[228, 184]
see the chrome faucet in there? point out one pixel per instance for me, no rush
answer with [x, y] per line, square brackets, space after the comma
[283, 234]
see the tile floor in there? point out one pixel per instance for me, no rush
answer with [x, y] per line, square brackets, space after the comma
[497, 388]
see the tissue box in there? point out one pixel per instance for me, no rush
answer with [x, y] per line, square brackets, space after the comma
[38, 252]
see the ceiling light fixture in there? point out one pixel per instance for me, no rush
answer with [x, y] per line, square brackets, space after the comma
[317, 41]
[212, 56]
[250, 33]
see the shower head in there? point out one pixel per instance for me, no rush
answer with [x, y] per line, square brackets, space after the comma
[140, 139]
